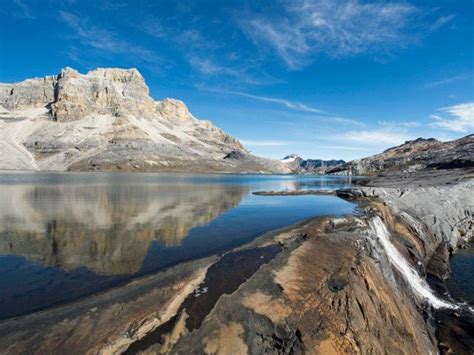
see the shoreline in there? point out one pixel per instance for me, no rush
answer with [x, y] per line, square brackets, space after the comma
[332, 260]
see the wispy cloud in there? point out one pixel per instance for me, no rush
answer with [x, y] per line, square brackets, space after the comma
[334, 27]
[447, 81]
[297, 106]
[211, 68]
[376, 137]
[402, 124]
[22, 10]
[264, 143]
[316, 113]
[441, 21]
[457, 118]
[106, 41]
[340, 147]
[205, 55]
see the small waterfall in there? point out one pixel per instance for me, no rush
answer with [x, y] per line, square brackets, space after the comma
[418, 285]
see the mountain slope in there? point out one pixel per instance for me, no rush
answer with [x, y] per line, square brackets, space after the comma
[411, 156]
[106, 120]
[300, 165]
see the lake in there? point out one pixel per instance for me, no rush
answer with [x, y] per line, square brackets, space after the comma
[64, 236]
[461, 280]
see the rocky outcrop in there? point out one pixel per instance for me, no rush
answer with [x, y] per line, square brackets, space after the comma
[291, 304]
[331, 285]
[103, 91]
[318, 166]
[436, 214]
[414, 156]
[106, 120]
[28, 94]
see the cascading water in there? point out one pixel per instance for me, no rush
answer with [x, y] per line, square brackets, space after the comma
[418, 285]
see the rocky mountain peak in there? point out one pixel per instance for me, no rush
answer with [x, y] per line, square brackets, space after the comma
[414, 155]
[67, 72]
[173, 109]
[71, 95]
[106, 120]
[415, 144]
[103, 91]
[291, 158]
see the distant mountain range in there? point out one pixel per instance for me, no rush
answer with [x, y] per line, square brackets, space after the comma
[317, 166]
[106, 120]
[411, 156]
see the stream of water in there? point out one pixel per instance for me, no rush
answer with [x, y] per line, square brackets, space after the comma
[418, 285]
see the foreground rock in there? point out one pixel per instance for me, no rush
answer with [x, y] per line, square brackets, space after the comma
[106, 120]
[326, 291]
[328, 285]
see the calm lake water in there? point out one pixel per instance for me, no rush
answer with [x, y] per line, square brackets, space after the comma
[64, 236]
[461, 281]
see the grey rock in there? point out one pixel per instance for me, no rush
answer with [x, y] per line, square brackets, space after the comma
[106, 120]
[412, 156]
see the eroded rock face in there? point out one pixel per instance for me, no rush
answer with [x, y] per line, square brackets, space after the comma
[412, 156]
[28, 93]
[106, 120]
[104, 91]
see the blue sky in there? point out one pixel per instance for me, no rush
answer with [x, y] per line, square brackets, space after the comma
[324, 79]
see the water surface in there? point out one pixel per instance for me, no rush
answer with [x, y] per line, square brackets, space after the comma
[461, 281]
[64, 236]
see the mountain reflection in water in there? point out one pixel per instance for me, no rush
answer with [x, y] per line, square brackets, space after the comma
[104, 228]
[68, 235]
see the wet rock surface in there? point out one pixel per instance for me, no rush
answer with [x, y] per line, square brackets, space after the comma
[197, 305]
[329, 287]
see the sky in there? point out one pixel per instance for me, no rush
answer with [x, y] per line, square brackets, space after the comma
[325, 79]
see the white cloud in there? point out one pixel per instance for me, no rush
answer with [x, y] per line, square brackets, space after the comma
[376, 137]
[264, 143]
[457, 118]
[334, 27]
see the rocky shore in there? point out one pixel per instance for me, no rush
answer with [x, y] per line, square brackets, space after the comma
[327, 285]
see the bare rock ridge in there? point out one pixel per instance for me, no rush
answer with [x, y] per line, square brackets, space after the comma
[318, 166]
[106, 120]
[414, 156]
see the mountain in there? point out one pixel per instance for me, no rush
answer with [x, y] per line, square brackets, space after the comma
[106, 120]
[411, 156]
[300, 165]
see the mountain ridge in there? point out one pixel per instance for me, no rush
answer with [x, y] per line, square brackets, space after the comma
[106, 120]
[317, 166]
[413, 156]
